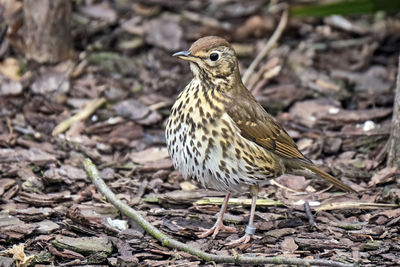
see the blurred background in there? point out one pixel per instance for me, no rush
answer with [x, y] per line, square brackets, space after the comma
[96, 79]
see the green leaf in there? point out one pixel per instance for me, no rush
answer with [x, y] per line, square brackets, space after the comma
[345, 7]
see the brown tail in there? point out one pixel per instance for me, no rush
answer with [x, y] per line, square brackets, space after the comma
[330, 178]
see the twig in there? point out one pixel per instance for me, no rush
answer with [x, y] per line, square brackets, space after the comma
[273, 182]
[356, 205]
[81, 115]
[172, 243]
[10, 130]
[394, 141]
[140, 192]
[268, 46]
[3, 32]
[309, 214]
[238, 202]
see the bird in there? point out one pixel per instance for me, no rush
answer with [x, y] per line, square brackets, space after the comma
[218, 134]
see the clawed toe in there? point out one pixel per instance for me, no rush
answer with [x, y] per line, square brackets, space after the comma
[218, 226]
[243, 240]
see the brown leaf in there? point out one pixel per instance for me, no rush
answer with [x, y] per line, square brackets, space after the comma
[8, 87]
[65, 173]
[93, 213]
[309, 111]
[5, 184]
[279, 97]
[44, 199]
[289, 245]
[273, 236]
[383, 176]
[388, 213]
[46, 227]
[51, 82]
[314, 243]
[15, 228]
[66, 253]
[33, 155]
[32, 213]
[133, 26]
[100, 11]
[255, 26]
[164, 33]
[297, 183]
[156, 165]
[124, 133]
[149, 155]
[374, 79]
[134, 110]
[361, 115]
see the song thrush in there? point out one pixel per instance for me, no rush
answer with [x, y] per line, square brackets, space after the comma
[220, 135]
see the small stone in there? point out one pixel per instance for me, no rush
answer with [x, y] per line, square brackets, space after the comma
[368, 126]
[116, 223]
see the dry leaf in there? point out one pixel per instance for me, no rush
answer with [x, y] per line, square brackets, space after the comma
[21, 260]
[383, 176]
[10, 68]
[150, 154]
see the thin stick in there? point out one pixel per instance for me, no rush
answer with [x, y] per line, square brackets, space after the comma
[355, 205]
[90, 107]
[394, 141]
[238, 202]
[273, 182]
[174, 244]
[309, 214]
[268, 46]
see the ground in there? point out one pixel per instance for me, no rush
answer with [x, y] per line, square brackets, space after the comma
[329, 81]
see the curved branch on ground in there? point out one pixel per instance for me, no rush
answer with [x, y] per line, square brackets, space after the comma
[172, 243]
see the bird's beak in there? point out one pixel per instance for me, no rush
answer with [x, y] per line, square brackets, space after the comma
[183, 55]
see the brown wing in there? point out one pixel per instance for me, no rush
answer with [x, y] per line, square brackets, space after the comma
[260, 127]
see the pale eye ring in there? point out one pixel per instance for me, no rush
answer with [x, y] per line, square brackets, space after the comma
[214, 56]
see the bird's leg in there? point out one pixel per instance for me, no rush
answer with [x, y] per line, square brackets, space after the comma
[219, 224]
[250, 229]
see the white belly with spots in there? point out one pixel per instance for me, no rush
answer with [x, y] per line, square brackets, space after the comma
[214, 166]
[207, 145]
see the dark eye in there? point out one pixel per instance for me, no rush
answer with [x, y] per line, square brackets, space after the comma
[214, 56]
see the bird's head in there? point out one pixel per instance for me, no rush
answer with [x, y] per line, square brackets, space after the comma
[211, 58]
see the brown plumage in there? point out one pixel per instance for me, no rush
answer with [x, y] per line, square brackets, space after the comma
[220, 135]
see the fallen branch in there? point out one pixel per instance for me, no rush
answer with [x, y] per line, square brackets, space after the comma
[172, 243]
[394, 141]
[268, 46]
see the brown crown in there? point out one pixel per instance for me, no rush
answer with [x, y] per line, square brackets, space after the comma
[207, 43]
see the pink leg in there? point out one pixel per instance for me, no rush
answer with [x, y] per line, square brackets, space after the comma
[219, 224]
[250, 229]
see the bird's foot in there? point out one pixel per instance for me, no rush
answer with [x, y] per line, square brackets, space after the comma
[243, 240]
[218, 226]
[249, 234]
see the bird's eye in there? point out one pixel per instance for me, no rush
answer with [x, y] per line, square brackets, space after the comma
[214, 56]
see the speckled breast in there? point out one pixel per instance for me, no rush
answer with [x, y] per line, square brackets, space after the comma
[204, 143]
